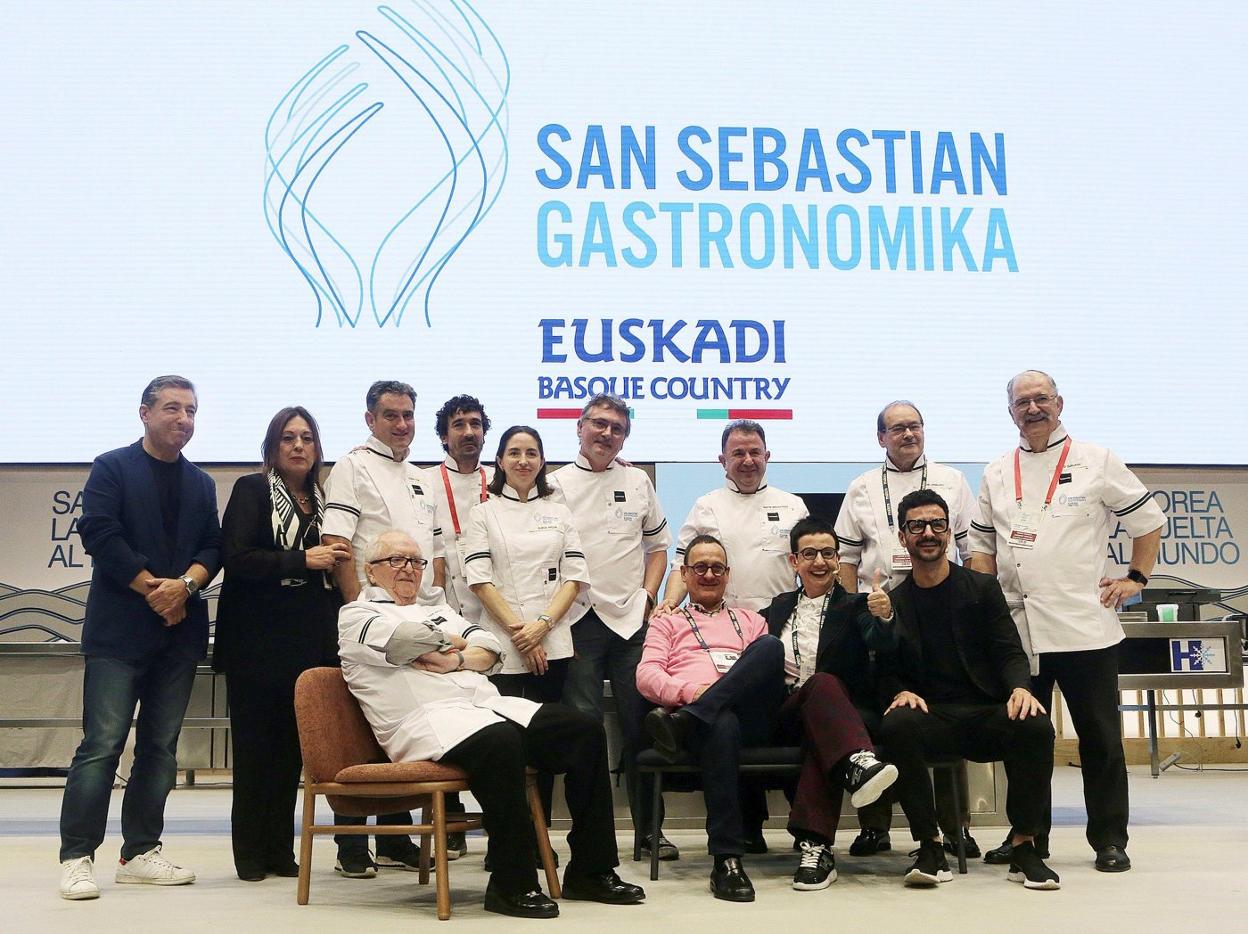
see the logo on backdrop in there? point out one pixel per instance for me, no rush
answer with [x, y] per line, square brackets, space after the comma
[385, 156]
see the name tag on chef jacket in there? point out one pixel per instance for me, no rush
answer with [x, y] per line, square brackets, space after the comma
[543, 523]
[777, 521]
[724, 660]
[1024, 531]
[901, 561]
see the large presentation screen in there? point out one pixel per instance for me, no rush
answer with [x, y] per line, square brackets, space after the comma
[789, 211]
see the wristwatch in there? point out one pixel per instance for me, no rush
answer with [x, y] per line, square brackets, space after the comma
[192, 585]
[547, 620]
[460, 666]
[1137, 576]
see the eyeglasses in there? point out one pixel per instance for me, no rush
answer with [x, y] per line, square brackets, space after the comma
[1040, 401]
[702, 569]
[601, 424]
[810, 554]
[398, 562]
[897, 431]
[916, 526]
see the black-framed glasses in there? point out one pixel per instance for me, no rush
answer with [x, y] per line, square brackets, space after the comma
[398, 562]
[916, 526]
[898, 430]
[810, 554]
[702, 569]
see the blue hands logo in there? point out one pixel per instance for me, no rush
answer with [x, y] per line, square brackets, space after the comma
[384, 157]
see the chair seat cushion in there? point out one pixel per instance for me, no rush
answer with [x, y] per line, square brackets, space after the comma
[401, 772]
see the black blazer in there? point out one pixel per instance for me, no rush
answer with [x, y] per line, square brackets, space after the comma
[268, 631]
[123, 532]
[983, 629]
[847, 636]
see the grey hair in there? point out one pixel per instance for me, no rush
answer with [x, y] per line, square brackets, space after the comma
[611, 401]
[165, 382]
[372, 551]
[879, 419]
[386, 386]
[1009, 387]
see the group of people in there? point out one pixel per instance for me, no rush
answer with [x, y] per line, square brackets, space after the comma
[476, 610]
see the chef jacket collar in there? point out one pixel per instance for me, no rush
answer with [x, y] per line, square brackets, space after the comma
[583, 463]
[377, 446]
[921, 462]
[728, 482]
[1057, 436]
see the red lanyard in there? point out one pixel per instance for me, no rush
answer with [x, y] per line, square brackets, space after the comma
[1057, 475]
[450, 496]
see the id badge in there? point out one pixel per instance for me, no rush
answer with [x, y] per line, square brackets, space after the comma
[901, 561]
[1025, 531]
[724, 660]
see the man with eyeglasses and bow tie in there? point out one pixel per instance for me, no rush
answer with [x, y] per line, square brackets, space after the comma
[1046, 511]
[866, 528]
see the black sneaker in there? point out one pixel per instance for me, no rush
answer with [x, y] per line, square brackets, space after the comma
[817, 870]
[456, 845]
[355, 865]
[408, 859]
[866, 778]
[870, 842]
[1027, 867]
[1002, 855]
[667, 849]
[968, 843]
[930, 867]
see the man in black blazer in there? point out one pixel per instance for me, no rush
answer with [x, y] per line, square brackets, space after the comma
[149, 522]
[961, 685]
[832, 703]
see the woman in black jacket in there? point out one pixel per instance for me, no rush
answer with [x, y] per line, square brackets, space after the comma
[277, 616]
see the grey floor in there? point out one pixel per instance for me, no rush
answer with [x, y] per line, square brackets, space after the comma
[1189, 843]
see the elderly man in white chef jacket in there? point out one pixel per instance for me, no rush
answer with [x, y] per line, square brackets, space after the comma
[418, 673]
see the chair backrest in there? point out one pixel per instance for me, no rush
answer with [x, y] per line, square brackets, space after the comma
[333, 733]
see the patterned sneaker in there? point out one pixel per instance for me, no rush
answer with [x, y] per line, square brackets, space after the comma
[78, 879]
[152, 868]
[930, 867]
[817, 870]
[408, 860]
[866, 778]
[1027, 867]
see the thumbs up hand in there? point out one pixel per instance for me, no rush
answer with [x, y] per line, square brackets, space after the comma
[877, 601]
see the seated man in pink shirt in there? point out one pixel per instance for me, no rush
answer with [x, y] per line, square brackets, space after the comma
[721, 676]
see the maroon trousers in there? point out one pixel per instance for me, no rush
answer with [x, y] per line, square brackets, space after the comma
[824, 721]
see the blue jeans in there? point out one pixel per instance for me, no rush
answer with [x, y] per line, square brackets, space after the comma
[111, 687]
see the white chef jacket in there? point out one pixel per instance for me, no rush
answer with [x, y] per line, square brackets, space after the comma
[862, 524]
[620, 522]
[1052, 589]
[370, 492]
[468, 490]
[418, 715]
[754, 528]
[527, 550]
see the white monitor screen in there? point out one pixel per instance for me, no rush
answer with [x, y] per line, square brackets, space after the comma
[795, 212]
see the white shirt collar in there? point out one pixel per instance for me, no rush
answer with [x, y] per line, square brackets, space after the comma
[377, 446]
[509, 492]
[1057, 436]
[728, 482]
[449, 464]
[921, 462]
[583, 462]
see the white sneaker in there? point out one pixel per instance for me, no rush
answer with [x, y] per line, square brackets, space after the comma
[78, 879]
[153, 869]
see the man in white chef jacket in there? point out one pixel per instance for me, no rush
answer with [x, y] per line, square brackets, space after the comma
[1046, 510]
[370, 489]
[418, 672]
[625, 537]
[866, 527]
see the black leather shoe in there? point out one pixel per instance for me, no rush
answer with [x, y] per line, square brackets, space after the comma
[605, 887]
[1112, 859]
[870, 842]
[670, 732]
[1003, 855]
[533, 904]
[286, 869]
[729, 881]
[969, 845]
[755, 843]
[250, 873]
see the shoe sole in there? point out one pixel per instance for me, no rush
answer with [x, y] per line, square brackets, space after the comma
[383, 863]
[80, 896]
[871, 791]
[135, 880]
[1125, 868]
[1047, 885]
[916, 879]
[815, 886]
[366, 874]
[575, 896]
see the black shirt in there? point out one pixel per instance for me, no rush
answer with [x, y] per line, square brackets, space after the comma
[945, 679]
[168, 492]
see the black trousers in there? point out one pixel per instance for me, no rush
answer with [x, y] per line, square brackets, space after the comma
[557, 740]
[543, 689]
[981, 733]
[1089, 683]
[737, 710]
[267, 762]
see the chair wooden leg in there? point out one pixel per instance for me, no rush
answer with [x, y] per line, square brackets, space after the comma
[305, 846]
[543, 837]
[441, 872]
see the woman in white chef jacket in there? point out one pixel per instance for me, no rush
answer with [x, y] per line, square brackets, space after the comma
[523, 560]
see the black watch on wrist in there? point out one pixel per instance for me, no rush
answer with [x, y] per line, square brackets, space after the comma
[1137, 576]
